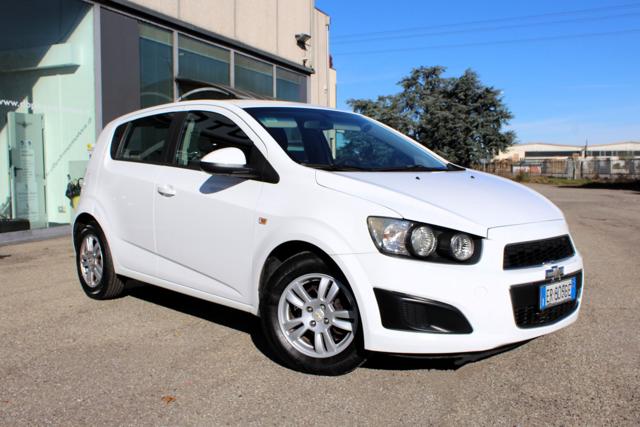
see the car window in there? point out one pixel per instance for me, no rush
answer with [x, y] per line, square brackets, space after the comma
[146, 139]
[203, 132]
[118, 134]
[328, 139]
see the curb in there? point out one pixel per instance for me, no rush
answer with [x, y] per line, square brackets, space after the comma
[14, 237]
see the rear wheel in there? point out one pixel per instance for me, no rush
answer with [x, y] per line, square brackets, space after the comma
[311, 318]
[94, 264]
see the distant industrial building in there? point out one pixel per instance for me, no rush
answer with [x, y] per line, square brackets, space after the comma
[540, 151]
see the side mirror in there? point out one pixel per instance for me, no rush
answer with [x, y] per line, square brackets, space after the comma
[228, 161]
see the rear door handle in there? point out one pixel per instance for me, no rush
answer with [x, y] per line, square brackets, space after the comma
[166, 190]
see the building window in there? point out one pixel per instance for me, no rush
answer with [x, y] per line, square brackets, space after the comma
[203, 62]
[156, 65]
[47, 108]
[253, 75]
[550, 153]
[290, 86]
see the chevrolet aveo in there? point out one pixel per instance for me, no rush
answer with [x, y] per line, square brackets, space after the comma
[341, 234]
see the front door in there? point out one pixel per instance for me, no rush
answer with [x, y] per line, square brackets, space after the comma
[205, 223]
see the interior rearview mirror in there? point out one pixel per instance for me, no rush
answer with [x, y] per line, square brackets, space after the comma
[318, 124]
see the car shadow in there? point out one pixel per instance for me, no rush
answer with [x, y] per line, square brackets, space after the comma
[403, 362]
[217, 183]
[205, 310]
[250, 324]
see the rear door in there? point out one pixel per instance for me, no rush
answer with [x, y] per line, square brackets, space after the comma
[138, 153]
[205, 223]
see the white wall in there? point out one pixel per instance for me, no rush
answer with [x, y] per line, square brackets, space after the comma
[321, 83]
[73, 125]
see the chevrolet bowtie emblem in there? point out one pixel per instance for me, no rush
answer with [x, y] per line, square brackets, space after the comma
[554, 273]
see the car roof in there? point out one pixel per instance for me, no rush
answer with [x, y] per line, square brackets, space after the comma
[245, 103]
[237, 103]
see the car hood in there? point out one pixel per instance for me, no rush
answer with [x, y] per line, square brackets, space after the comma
[468, 200]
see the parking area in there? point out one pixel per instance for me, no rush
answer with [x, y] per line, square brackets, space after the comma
[155, 357]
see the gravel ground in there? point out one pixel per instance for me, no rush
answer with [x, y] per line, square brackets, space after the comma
[159, 358]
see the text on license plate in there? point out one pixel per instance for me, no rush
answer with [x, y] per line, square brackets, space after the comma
[557, 293]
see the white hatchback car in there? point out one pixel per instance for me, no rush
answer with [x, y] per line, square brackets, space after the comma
[342, 234]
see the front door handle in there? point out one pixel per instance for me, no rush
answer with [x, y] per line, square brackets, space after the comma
[166, 190]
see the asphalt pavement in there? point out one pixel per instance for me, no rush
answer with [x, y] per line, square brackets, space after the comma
[155, 357]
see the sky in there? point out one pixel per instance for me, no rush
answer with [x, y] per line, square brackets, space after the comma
[569, 70]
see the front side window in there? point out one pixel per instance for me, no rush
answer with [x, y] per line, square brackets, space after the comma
[146, 139]
[336, 140]
[204, 132]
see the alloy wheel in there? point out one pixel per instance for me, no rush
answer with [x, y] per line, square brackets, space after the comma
[317, 315]
[91, 260]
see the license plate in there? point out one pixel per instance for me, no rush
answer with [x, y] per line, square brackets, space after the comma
[556, 293]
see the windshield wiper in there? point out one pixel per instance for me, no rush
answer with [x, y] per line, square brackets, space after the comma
[410, 168]
[452, 167]
[333, 168]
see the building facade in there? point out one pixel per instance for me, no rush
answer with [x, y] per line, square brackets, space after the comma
[68, 67]
[534, 152]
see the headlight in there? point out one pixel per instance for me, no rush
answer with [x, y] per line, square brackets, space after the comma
[389, 234]
[423, 241]
[461, 246]
[407, 238]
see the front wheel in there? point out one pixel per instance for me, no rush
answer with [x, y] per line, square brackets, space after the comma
[311, 319]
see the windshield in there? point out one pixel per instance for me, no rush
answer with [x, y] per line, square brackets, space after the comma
[335, 140]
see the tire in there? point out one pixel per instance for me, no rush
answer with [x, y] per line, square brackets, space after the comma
[298, 325]
[95, 265]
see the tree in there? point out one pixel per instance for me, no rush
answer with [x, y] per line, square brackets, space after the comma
[457, 117]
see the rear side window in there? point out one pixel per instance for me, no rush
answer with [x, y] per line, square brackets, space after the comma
[146, 139]
[117, 139]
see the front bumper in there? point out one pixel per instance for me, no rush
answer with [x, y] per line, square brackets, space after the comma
[481, 292]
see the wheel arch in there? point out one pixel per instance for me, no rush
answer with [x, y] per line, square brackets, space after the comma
[286, 250]
[81, 220]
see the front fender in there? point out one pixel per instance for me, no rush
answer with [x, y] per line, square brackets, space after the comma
[332, 243]
[310, 231]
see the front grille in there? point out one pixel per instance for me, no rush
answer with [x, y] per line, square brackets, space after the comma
[526, 302]
[537, 252]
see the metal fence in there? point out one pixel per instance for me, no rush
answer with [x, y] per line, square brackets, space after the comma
[574, 168]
